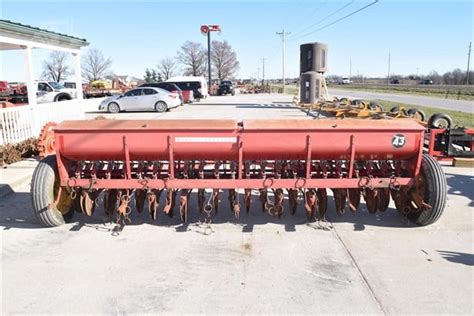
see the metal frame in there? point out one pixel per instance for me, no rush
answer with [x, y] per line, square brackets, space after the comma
[441, 141]
[130, 177]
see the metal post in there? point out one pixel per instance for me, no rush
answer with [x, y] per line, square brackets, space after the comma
[468, 63]
[209, 57]
[283, 59]
[263, 68]
[388, 75]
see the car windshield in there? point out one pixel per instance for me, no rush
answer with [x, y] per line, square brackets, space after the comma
[56, 85]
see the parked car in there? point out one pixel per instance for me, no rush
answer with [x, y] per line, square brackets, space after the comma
[168, 86]
[394, 81]
[141, 99]
[345, 81]
[197, 85]
[426, 81]
[225, 88]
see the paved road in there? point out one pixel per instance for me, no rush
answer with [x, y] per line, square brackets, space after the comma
[455, 105]
[225, 107]
[256, 264]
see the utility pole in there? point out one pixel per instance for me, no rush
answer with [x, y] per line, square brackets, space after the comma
[350, 69]
[209, 60]
[388, 75]
[263, 70]
[468, 63]
[206, 29]
[283, 35]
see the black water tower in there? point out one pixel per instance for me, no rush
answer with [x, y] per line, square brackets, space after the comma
[313, 64]
[313, 57]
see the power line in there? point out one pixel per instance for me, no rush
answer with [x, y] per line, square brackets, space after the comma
[325, 18]
[338, 20]
[310, 15]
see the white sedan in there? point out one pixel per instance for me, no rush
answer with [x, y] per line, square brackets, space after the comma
[141, 99]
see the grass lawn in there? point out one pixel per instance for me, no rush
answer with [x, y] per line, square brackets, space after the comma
[459, 118]
[455, 93]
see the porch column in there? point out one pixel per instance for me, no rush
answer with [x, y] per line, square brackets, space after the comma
[31, 86]
[77, 72]
[30, 81]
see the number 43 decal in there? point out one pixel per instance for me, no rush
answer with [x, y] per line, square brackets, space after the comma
[398, 140]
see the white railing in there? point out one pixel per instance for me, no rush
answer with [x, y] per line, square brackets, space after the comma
[22, 122]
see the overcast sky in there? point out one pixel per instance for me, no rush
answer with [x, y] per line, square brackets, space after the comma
[420, 35]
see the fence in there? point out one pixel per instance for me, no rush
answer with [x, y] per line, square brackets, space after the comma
[22, 122]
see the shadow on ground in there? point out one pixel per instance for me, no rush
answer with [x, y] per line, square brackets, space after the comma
[461, 185]
[16, 212]
[457, 257]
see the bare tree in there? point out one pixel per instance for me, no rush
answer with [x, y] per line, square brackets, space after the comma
[95, 66]
[224, 60]
[167, 67]
[458, 76]
[56, 68]
[193, 56]
[436, 77]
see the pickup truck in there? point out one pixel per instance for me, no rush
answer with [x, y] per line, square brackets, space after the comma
[225, 88]
[53, 92]
[45, 91]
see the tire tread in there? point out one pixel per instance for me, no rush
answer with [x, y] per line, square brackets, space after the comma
[43, 177]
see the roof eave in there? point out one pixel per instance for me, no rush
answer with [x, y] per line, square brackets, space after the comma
[24, 30]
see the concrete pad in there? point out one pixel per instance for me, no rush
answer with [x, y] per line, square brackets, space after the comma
[255, 265]
[418, 269]
[15, 176]
[238, 107]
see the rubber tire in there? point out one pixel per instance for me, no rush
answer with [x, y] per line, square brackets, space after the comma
[436, 190]
[395, 109]
[161, 107]
[412, 112]
[437, 117]
[374, 106]
[62, 97]
[41, 183]
[117, 110]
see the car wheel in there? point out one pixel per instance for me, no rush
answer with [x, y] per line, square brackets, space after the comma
[62, 97]
[161, 107]
[113, 107]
